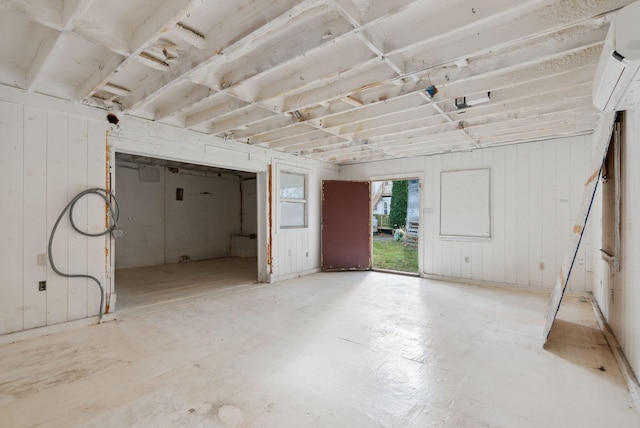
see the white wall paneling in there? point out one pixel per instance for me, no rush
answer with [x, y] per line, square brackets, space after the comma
[48, 156]
[536, 173]
[249, 223]
[532, 190]
[142, 218]
[35, 210]
[298, 249]
[51, 150]
[549, 202]
[201, 225]
[465, 199]
[522, 219]
[497, 272]
[11, 217]
[617, 293]
[57, 199]
[510, 214]
[479, 247]
[164, 142]
[77, 288]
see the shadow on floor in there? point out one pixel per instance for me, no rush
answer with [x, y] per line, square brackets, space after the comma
[581, 345]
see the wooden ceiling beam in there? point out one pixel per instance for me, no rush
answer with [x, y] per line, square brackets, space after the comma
[169, 13]
[271, 19]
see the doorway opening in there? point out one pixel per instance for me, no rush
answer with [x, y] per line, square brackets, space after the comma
[189, 229]
[395, 206]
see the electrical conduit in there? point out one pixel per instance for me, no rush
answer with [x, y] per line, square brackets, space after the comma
[112, 229]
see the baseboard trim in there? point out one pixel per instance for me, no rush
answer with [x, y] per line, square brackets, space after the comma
[295, 275]
[480, 283]
[625, 368]
[19, 336]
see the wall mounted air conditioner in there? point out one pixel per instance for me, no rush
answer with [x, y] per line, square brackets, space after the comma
[616, 85]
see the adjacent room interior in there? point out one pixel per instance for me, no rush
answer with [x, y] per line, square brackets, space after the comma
[188, 228]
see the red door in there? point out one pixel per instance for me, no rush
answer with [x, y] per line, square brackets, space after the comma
[346, 225]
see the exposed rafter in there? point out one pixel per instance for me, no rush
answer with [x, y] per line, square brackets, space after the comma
[342, 81]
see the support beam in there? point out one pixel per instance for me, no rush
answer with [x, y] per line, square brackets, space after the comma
[248, 115]
[228, 105]
[293, 143]
[166, 16]
[275, 122]
[190, 99]
[72, 10]
[504, 25]
[296, 130]
[38, 64]
[46, 13]
[206, 57]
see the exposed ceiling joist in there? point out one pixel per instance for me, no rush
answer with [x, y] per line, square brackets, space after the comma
[341, 81]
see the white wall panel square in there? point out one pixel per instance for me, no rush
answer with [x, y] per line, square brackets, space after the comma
[35, 235]
[11, 217]
[57, 199]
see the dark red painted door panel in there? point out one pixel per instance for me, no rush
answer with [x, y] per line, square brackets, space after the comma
[346, 225]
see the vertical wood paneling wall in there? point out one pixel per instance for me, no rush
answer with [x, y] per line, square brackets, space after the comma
[142, 218]
[46, 158]
[536, 189]
[298, 249]
[51, 150]
[294, 251]
[158, 229]
[622, 307]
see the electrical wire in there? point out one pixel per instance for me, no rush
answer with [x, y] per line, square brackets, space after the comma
[114, 209]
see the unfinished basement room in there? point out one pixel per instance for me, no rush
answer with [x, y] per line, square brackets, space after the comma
[192, 192]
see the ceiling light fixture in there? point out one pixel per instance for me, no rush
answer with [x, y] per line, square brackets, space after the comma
[472, 100]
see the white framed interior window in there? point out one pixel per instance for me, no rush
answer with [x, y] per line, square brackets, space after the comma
[293, 199]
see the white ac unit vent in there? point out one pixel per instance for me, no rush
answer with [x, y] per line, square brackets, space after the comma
[616, 85]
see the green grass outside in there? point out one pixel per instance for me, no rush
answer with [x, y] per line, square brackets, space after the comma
[393, 255]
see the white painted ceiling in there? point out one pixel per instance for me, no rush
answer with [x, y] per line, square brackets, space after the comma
[338, 80]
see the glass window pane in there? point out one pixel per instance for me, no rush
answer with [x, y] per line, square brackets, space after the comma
[291, 186]
[292, 214]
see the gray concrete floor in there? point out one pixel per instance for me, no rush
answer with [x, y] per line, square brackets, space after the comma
[351, 349]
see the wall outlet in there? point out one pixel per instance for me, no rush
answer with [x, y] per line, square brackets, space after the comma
[42, 259]
[466, 259]
[42, 286]
[541, 265]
